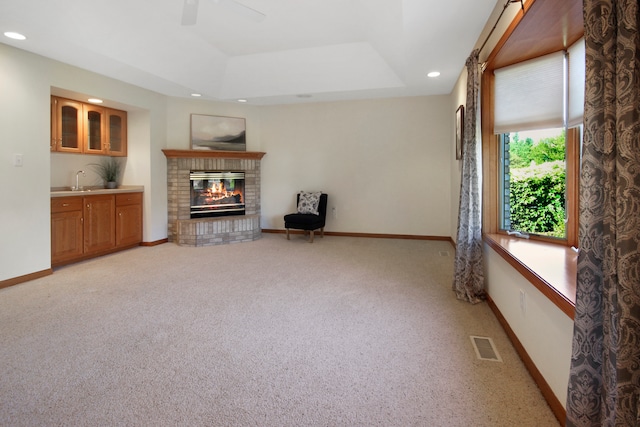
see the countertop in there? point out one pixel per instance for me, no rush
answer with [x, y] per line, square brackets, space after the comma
[87, 191]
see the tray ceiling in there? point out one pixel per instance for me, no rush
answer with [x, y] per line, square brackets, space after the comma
[320, 49]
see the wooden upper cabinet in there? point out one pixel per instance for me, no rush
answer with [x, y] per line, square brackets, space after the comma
[77, 127]
[117, 132]
[66, 125]
[95, 141]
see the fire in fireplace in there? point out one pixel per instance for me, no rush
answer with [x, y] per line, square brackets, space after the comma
[216, 193]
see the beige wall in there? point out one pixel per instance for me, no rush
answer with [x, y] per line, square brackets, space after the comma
[24, 191]
[384, 163]
[458, 97]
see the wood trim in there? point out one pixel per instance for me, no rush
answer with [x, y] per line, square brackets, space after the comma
[490, 160]
[216, 154]
[554, 273]
[547, 26]
[155, 242]
[553, 402]
[368, 235]
[96, 254]
[573, 186]
[25, 278]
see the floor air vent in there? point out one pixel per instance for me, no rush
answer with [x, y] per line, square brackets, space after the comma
[444, 253]
[485, 350]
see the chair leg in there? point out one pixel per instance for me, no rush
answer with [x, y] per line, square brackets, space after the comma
[322, 232]
[311, 237]
[288, 234]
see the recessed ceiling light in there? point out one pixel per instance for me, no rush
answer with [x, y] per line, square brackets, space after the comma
[195, 95]
[14, 35]
[304, 95]
[242, 100]
[95, 100]
[433, 74]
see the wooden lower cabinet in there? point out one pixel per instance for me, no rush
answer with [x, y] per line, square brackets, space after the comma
[66, 229]
[99, 223]
[128, 219]
[87, 226]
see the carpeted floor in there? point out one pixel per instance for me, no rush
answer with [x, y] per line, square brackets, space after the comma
[341, 332]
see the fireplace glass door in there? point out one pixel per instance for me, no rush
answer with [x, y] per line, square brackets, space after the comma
[216, 193]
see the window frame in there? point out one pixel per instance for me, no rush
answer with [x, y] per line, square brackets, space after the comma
[572, 142]
[491, 172]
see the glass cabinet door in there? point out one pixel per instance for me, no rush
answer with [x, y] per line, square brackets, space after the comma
[94, 129]
[69, 137]
[67, 125]
[117, 132]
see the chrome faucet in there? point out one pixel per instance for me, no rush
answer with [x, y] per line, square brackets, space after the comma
[77, 187]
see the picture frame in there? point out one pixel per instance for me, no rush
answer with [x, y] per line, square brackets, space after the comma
[218, 133]
[459, 131]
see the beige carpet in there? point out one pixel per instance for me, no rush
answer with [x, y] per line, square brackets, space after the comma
[341, 332]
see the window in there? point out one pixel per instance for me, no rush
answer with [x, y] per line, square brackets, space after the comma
[533, 184]
[544, 27]
[539, 176]
[537, 117]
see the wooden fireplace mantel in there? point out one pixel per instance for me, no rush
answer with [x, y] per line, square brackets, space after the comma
[215, 154]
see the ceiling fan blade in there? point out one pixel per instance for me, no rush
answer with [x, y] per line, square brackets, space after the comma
[242, 10]
[190, 12]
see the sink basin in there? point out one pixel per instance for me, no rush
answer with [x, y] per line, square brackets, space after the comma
[74, 189]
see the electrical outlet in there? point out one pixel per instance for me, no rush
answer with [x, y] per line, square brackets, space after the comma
[523, 301]
[334, 212]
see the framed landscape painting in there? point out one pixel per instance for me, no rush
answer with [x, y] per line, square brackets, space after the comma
[218, 133]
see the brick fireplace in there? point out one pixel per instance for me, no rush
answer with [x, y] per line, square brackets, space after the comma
[187, 231]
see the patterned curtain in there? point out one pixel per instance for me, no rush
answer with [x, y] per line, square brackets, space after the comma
[468, 277]
[604, 380]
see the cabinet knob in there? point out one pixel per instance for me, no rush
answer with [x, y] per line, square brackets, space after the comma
[65, 204]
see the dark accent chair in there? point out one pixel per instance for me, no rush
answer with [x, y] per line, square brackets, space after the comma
[306, 221]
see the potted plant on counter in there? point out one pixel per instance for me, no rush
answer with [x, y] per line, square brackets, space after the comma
[109, 170]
